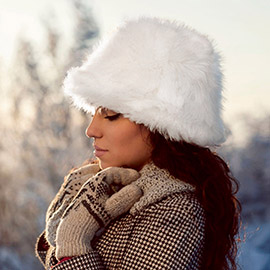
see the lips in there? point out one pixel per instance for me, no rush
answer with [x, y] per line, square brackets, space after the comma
[99, 151]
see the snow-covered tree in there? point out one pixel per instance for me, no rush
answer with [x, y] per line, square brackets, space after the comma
[43, 137]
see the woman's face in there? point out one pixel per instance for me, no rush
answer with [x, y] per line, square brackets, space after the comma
[118, 142]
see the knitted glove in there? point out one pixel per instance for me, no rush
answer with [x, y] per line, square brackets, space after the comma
[70, 187]
[93, 208]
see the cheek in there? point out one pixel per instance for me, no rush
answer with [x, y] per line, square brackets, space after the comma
[132, 147]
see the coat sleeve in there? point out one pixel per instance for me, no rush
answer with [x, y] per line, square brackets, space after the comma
[167, 236]
[84, 262]
[88, 261]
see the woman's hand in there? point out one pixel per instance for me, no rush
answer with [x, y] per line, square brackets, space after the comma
[72, 184]
[93, 208]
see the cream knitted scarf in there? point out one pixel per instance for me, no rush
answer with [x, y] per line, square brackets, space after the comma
[157, 184]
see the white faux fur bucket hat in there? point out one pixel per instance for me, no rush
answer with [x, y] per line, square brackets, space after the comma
[158, 73]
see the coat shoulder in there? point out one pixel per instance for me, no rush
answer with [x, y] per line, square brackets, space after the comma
[176, 204]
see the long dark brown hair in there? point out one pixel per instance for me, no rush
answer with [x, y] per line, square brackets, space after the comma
[215, 189]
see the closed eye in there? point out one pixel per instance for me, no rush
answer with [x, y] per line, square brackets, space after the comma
[113, 117]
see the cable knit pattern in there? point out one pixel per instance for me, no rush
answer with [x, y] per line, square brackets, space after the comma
[157, 184]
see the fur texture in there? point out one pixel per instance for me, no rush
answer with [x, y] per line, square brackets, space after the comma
[158, 73]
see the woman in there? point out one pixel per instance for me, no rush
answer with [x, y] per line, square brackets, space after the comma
[158, 198]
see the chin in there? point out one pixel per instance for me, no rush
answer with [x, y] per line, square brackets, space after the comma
[103, 165]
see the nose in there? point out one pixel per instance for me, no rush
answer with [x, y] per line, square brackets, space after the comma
[94, 128]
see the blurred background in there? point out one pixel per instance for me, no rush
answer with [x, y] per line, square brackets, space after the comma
[42, 136]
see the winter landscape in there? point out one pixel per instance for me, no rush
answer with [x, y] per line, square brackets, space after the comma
[42, 138]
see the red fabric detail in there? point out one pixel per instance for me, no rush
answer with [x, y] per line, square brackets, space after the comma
[44, 246]
[62, 260]
[42, 243]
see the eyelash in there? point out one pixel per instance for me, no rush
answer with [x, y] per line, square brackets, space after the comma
[112, 117]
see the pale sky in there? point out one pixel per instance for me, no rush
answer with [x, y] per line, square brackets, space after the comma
[240, 29]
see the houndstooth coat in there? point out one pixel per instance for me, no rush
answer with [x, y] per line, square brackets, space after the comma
[163, 230]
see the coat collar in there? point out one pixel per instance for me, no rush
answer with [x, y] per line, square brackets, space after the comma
[156, 184]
